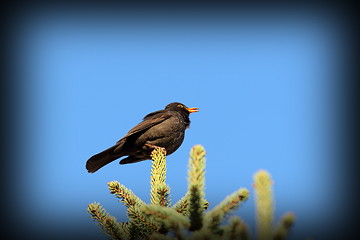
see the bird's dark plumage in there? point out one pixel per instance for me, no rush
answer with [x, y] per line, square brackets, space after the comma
[164, 128]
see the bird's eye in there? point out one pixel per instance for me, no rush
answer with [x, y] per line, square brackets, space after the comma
[180, 105]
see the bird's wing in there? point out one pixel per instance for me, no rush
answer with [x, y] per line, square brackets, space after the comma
[150, 120]
[155, 114]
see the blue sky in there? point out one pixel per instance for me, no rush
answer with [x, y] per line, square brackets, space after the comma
[265, 86]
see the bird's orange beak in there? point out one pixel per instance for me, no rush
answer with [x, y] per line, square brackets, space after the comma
[192, 110]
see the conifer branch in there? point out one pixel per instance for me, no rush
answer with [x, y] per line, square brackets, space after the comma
[286, 222]
[196, 180]
[143, 227]
[203, 234]
[159, 192]
[236, 230]
[195, 209]
[125, 195]
[214, 217]
[107, 223]
[264, 204]
[186, 218]
[159, 236]
[167, 216]
[182, 206]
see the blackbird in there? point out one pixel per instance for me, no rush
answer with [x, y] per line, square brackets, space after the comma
[163, 128]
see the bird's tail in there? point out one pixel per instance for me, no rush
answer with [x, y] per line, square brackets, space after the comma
[101, 159]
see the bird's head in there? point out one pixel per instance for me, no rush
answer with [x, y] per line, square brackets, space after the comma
[176, 106]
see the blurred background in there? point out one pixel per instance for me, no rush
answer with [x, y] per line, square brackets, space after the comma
[266, 80]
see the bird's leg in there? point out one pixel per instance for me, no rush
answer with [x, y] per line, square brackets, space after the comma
[155, 149]
[151, 145]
